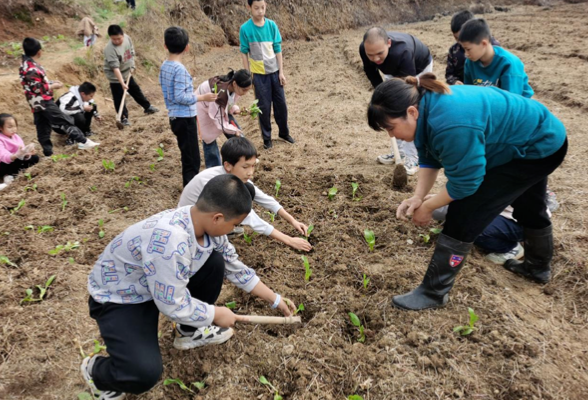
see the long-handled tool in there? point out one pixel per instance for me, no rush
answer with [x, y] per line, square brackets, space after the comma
[258, 319]
[119, 123]
[400, 176]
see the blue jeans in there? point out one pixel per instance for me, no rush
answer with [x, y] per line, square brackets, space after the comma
[268, 90]
[212, 157]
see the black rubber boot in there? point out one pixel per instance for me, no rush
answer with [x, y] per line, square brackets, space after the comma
[538, 254]
[448, 259]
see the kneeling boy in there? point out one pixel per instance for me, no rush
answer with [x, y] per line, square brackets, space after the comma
[159, 265]
[79, 104]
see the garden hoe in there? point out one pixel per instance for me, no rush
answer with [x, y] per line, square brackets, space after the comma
[119, 123]
[400, 176]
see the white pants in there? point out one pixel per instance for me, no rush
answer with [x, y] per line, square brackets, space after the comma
[407, 149]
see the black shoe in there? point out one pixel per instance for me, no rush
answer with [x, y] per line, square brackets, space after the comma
[267, 144]
[151, 110]
[125, 122]
[88, 134]
[448, 259]
[288, 139]
[538, 254]
[69, 141]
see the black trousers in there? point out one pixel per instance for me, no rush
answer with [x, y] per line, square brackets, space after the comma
[83, 121]
[134, 91]
[130, 334]
[17, 165]
[519, 183]
[186, 131]
[268, 91]
[51, 117]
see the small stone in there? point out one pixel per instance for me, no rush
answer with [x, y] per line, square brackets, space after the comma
[288, 350]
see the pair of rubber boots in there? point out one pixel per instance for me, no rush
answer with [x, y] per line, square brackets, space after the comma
[450, 255]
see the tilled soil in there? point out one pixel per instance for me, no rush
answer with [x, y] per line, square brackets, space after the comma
[531, 342]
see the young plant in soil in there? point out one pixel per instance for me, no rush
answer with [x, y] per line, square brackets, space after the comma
[253, 110]
[355, 188]
[58, 157]
[370, 238]
[101, 225]
[309, 231]
[366, 281]
[427, 237]
[198, 385]
[33, 188]
[159, 152]
[28, 176]
[354, 397]
[44, 228]
[231, 305]
[108, 165]
[332, 193]
[300, 308]
[18, 207]
[63, 202]
[465, 330]
[263, 380]
[278, 186]
[308, 271]
[69, 246]
[272, 216]
[130, 182]
[118, 209]
[42, 291]
[6, 260]
[249, 238]
[357, 323]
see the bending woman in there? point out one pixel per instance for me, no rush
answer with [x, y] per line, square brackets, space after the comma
[497, 149]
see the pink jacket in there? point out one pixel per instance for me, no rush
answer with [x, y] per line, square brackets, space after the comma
[209, 116]
[9, 146]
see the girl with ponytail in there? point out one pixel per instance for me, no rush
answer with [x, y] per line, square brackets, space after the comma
[496, 148]
[216, 118]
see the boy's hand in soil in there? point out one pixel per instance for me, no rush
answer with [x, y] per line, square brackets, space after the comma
[300, 227]
[299, 244]
[208, 97]
[408, 207]
[224, 317]
[286, 306]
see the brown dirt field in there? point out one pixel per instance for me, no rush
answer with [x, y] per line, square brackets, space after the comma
[531, 342]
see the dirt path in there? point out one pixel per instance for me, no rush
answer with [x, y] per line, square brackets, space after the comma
[531, 343]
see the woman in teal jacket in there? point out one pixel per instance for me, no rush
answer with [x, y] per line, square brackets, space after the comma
[496, 149]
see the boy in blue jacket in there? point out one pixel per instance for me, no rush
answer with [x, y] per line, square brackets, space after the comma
[489, 65]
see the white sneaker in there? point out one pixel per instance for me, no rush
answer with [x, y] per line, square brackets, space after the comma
[97, 394]
[500, 258]
[88, 145]
[203, 336]
[411, 165]
[386, 159]
[8, 179]
[2, 186]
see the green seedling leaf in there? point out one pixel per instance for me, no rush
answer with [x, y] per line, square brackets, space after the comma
[31, 188]
[29, 227]
[300, 308]
[465, 330]
[92, 188]
[231, 305]
[199, 385]
[426, 238]
[108, 165]
[28, 176]
[271, 215]
[366, 281]
[44, 229]
[160, 153]
[84, 396]
[71, 260]
[264, 381]
[370, 238]
[354, 397]
[308, 271]
[435, 231]
[215, 89]
[58, 157]
[5, 260]
[100, 225]
[278, 397]
[473, 317]
[98, 347]
[354, 188]
[354, 319]
[332, 192]
[18, 207]
[278, 186]
[177, 382]
[152, 167]
[249, 238]
[69, 246]
[309, 231]
[63, 201]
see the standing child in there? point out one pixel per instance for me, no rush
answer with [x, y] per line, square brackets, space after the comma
[119, 60]
[14, 155]
[456, 57]
[79, 103]
[217, 117]
[261, 51]
[174, 263]
[180, 100]
[39, 93]
[488, 65]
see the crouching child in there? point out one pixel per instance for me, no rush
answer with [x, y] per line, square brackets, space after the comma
[174, 263]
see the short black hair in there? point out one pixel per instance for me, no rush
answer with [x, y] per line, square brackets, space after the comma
[5, 117]
[176, 39]
[114, 30]
[474, 31]
[225, 194]
[237, 147]
[87, 88]
[460, 18]
[375, 33]
[31, 46]
[250, 2]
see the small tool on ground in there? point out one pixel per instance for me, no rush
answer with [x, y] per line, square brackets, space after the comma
[400, 176]
[258, 319]
[119, 123]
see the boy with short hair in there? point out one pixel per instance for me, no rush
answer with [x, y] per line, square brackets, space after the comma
[180, 100]
[456, 56]
[119, 60]
[239, 158]
[79, 103]
[39, 93]
[488, 65]
[261, 52]
[174, 263]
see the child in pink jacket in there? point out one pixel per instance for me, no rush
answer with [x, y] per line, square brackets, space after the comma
[216, 118]
[14, 155]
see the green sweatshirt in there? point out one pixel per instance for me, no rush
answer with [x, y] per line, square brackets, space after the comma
[121, 57]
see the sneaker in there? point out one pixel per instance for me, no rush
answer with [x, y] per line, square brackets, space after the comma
[125, 122]
[151, 110]
[237, 231]
[411, 165]
[88, 145]
[3, 186]
[89, 133]
[386, 159]
[267, 144]
[69, 142]
[8, 179]
[500, 258]
[86, 368]
[203, 336]
[288, 139]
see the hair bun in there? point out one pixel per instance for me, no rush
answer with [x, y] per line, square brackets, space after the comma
[412, 80]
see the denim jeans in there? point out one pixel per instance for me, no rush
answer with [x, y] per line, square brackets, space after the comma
[212, 157]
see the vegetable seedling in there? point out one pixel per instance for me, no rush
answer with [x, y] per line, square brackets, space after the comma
[300, 308]
[34, 187]
[357, 323]
[97, 348]
[435, 231]
[118, 209]
[58, 157]
[6, 260]
[63, 202]
[101, 225]
[355, 188]
[108, 165]
[309, 231]
[130, 182]
[198, 385]
[160, 154]
[263, 380]
[278, 186]
[366, 281]
[42, 291]
[271, 215]
[18, 207]
[332, 192]
[69, 246]
[249, 238]
[253, 110]
[370, 238]
[152, 167]
[92, 188]
[308, 271]
[28, 176]
[426, 237]
[231, 305]
[354, 397]
[44, 228]
[465, 330]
